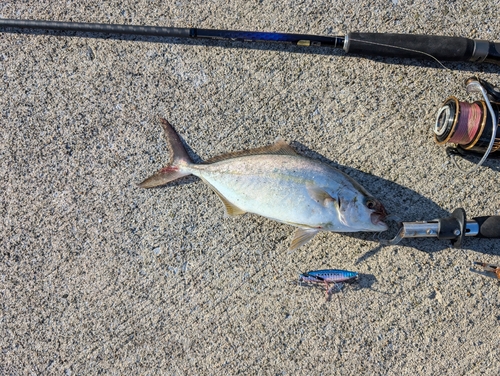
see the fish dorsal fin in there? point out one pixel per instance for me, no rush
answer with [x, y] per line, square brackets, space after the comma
[280, 147]
[301, 237]
[321, 196]
[231, 209]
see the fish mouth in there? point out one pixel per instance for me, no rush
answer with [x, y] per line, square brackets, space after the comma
[378, 219]
[378, 216]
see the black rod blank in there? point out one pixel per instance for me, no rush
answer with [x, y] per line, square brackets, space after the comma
[175, 32]
[442, 48]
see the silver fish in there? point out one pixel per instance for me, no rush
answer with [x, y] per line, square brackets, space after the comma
[277, 183]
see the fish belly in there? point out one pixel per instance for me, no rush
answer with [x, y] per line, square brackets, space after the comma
[273, 186]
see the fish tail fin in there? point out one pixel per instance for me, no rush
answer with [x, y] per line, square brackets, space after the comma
[179, 157]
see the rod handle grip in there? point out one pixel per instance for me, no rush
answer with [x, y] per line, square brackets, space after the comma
[489, 226]
[415, 46]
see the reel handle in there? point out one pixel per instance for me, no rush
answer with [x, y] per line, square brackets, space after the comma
[442, 48]
[489, 226]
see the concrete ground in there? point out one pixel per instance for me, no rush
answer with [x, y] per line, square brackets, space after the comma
[100, 276]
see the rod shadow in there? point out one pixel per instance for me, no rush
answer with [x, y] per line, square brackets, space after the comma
[261, 46]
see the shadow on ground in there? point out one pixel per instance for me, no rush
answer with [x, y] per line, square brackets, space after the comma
[401, 201]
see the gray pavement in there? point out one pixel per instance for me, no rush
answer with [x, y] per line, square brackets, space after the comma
[99, 276]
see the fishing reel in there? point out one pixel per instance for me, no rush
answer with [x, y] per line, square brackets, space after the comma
[472, 127]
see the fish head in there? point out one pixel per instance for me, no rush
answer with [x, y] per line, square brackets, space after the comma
[363, 213]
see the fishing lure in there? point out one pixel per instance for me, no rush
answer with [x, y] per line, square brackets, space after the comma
[337, 277]
[489, 268]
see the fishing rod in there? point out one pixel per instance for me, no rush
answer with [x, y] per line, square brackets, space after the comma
[473, 128]
[414, 46]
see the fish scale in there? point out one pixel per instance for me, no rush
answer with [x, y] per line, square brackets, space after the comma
[285, 198]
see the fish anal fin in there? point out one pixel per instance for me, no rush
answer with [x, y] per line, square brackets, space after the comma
[280, 147]
[320, 195]
[230, 209]
[301, 237]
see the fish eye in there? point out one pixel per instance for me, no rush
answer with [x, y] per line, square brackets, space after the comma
[370, 204]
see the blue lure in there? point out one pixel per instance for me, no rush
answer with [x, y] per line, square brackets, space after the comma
[327, 277]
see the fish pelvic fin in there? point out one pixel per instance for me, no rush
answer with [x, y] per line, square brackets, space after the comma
[280, 147]
[301, 237]
[231, 210]
[178, 158]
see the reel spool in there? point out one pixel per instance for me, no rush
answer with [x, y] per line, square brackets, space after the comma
[472, 127]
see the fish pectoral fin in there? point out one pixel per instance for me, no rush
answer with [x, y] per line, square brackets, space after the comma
[321, 196]
[280, 147]
[301, 237]
[231, 209]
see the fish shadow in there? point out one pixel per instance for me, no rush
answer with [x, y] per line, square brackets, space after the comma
[406, 205]
[402, 202]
